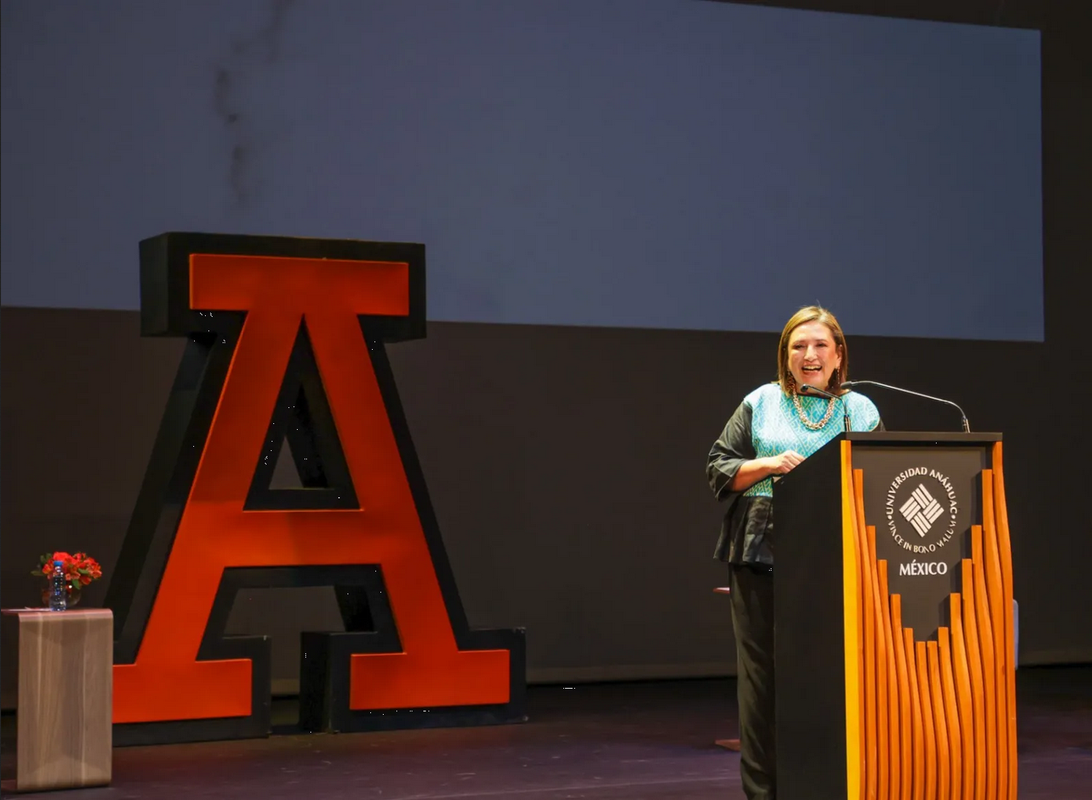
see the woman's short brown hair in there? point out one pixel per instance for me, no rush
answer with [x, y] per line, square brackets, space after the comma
[803, 316]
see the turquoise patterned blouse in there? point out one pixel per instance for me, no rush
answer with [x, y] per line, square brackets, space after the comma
[776, 425]
[766, 424]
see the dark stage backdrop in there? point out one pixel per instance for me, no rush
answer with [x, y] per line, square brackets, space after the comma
[566, 463]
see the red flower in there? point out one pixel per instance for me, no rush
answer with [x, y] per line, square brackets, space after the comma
[79, 569]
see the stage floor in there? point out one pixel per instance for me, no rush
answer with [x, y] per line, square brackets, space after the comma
[638, 741]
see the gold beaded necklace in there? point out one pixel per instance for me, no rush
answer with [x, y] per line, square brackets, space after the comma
[804, 417]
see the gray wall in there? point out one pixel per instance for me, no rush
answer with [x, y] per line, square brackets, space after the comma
[751, 149]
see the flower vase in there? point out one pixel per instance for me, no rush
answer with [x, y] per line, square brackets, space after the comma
[73, 597]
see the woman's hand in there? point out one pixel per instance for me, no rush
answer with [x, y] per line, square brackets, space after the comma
[751, 472]
[784, 463]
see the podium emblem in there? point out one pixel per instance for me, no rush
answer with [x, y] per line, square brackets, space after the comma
[921, 509]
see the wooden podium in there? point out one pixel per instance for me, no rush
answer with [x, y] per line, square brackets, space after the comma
[64, 697]
[893, 604]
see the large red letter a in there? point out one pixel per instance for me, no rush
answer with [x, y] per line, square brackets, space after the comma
[257, 311]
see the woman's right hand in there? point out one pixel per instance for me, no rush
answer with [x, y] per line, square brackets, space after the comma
[751, 472]
[784, 463]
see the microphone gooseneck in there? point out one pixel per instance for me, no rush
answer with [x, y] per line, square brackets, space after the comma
[855, 384]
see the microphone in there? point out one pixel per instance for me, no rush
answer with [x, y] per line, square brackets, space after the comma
[807, 388]
[855, 384]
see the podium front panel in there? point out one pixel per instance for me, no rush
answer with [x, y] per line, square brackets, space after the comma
[892, 592]
[922, 501]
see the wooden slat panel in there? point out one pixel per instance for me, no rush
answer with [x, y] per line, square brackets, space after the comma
[951, 714]
[868, 641]
[906, 721]
[940, 723]
[964, 698]
[985, 650]
[894, 758]
[881, 621]
[1005, 550]
[974, 665]
[851, 605]
[917, 732]
[1002, 658]
[928, 726]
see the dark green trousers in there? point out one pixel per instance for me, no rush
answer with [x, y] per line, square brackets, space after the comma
[752, 602]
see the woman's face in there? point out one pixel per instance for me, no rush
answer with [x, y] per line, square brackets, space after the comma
[813, 356]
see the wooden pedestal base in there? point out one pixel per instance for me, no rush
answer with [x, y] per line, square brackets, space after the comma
[63, 683]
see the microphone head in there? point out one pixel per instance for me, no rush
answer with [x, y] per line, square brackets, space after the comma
[847, 385]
